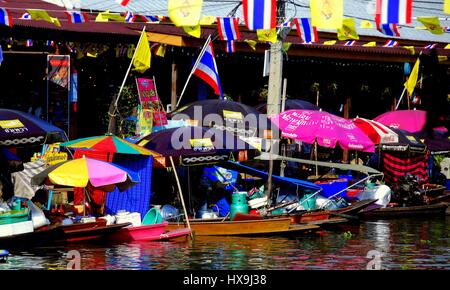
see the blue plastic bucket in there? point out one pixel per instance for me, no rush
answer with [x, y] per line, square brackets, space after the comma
[152, 217]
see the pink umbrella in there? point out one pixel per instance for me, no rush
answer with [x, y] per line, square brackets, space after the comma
[408, 120]
[309, 126]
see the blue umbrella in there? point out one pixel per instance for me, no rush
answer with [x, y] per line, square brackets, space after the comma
[18, 128]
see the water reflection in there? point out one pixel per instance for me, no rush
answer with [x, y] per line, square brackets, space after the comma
[405, 244]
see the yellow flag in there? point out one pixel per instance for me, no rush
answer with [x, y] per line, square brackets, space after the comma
[420, 27]
[432, 24]
[410, 84]
[185, 12]
[142, 55]
[442, 58]
[447, 46]
[411, 49]
[329, 42]
[194, 31]
[286, 46]
[366, 24]
[372, 43]
[251, 43]
[269, 35]
[208, 20]
[106, 16]
[447, 6]
[37, 14]
[327, 14]
[348, 30]
[161, 50]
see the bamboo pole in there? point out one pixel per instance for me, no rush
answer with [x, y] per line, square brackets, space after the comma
[181, 195]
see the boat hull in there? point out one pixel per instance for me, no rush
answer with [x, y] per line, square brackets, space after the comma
[407, 211]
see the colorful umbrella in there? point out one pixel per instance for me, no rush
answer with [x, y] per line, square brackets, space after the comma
[327, 129]
[19, 128]
[377, 132]
[80, 172]
[291, 104]
[408, 120]
[108, 143]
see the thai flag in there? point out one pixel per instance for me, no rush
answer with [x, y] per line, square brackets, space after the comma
[393, 11]
[50, 43]
[123, 2]
[390, 43]
[26, 16]
[129, 17]
[207, 69]
[287, 23]
[388, 29]
[447, 28]
[29, 43]
[260, 14]
[5, 17]
[153, 19]
[350, 43]
[228, 28]
[76, 17]
[305, 30]
[230, 46]
[431, 46]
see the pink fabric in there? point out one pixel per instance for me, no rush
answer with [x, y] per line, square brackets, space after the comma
[408, 120]
[103, 173]
[329, 130]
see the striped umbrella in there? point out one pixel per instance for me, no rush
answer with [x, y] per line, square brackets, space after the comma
[377, 132]
[108, 143]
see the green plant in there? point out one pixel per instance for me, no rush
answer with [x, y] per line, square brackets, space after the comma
[347, 235]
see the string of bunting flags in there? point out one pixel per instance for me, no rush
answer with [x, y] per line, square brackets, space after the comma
[259, 16]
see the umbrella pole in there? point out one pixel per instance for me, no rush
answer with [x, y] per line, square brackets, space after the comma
[181, 195]
[315, 156]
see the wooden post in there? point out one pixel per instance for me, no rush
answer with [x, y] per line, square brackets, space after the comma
[346, 115]
[173, 92]
[181, 195]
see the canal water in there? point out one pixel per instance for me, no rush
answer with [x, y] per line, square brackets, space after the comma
[399, 244]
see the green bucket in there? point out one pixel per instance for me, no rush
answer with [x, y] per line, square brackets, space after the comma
[152, 217]
[14, 216]
[308, 201]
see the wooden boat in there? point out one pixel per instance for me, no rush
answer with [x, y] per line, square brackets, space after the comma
[42, 236]
[88, 231]
[156, 232]
[255, 227]
[397, 212]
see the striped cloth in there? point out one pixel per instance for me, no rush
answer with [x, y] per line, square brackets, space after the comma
[22, 179]
[396, 165]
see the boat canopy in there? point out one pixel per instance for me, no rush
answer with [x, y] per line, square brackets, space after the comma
[361, 168]
[275, 178]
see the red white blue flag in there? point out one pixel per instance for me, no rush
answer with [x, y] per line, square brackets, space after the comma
[207, 69]
[230, 46]
[393, 11]
[154, 19]
[431, 46]
[29, 43]
[123, 2]
[350, 43]
[260, 14]
[390, 43]
[388, 29]
[305, 30]
[76, 17]
[228, 28]
[26, 16]
[5, 17]
[129, 17]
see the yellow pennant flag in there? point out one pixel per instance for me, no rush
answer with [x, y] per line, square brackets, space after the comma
[420, 27]
[410, 84]
[432, 24]
[251, 43]
[447, 46]
[286, 46]
[142, 55]
[161, 52]
[329, 42]
[185, 12]
[194, 31]
[442, 58]
[447, 6]
[371, 44]
[106, 16]
[269, 35]
[208, 20]
[327, 14]
[348, 30]
[37, 14]
[411, 49]
[366, 24]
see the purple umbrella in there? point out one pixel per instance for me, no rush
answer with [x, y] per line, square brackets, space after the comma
[327, 129]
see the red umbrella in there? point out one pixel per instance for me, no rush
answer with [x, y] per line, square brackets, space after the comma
[377, 132]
